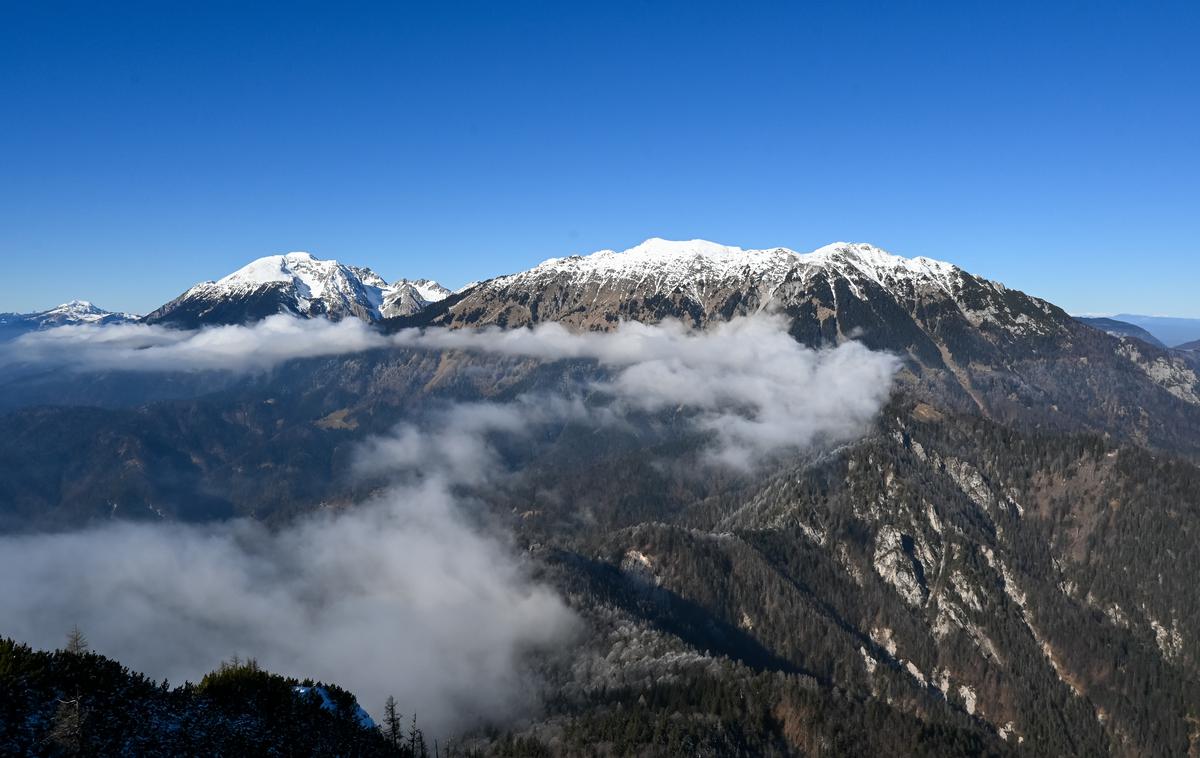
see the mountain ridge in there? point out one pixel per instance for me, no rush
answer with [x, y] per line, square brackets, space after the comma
[1171, 330]
[300, 284]
[964, 340]
[71, 313]
[1002, 560]
[1121, 329]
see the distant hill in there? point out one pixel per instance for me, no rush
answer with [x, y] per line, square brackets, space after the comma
[1172, 331]
[74, 313]
[1121, 329]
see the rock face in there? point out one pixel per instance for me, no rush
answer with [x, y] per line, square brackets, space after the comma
[405, 298]
[299, 284]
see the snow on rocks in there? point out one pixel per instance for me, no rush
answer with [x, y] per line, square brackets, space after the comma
[312, 286]
[660, 265]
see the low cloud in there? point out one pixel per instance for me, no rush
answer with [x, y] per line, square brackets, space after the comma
[749, 385]
[145, 347]
[753, 388]
[403, 595]
[412, 593]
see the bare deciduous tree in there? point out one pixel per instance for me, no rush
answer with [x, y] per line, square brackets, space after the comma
[76, 642]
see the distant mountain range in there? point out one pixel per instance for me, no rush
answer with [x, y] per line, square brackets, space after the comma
[296, 283]
[74, 312]
[1172, 331]
[966, 340]
[1121, 329]
[1002, 565]
[658, 275]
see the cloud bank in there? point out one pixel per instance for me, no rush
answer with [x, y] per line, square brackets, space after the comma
[412, 593]
[145, 347]
[754, 388]
[405, 594]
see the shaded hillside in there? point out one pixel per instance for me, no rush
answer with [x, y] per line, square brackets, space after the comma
[957, 571]
[79, 703]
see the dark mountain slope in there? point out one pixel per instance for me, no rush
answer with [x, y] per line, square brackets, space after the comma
[1031, 583]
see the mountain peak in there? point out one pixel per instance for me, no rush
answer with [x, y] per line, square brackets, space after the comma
[284, 267]
[881, 266]
[876, 256]
[677, 262]
[299, 283]
[74, 312]
[669, 262]
[665, 247]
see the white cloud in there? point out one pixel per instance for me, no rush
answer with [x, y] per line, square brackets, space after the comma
[754, 389]
[400, 595]
[144, 347]
[404, 595]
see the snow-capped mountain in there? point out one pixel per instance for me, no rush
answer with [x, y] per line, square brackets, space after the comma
[300, 284]
[698, 265]
[67, 314]
[404, 297]
[962, 337]
[702, 281]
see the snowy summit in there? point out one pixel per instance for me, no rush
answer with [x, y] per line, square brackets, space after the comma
[301, 284]
[663, 265]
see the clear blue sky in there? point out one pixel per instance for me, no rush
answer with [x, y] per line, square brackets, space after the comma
[1054, 146]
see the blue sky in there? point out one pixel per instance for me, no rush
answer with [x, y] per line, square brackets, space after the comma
[144, 147]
